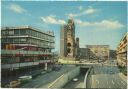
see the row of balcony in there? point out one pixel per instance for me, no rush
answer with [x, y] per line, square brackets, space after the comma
[18, 65]
[13, 52]
[122, 50]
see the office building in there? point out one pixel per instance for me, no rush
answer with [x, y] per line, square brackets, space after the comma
[25, 48]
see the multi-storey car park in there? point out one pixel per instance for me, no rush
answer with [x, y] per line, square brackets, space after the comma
[122, 52]
[24, 49]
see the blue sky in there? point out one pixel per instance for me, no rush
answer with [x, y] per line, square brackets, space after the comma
[102, 23]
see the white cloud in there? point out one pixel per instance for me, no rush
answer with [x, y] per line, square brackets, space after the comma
[17, 8]
[87, 11]
[71, 15]
[104, 24]
[90, 10]
[52, 20]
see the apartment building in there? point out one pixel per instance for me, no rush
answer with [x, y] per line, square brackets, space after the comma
[122, 51]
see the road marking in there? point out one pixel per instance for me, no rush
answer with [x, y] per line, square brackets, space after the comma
[112, 82]
[107, 82]
[55, 81]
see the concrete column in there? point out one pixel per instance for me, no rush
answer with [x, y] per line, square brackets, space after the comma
[46, 66]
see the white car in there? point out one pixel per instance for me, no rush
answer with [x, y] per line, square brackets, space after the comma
[75, 79]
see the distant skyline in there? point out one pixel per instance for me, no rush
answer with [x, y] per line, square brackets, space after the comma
[96, 23]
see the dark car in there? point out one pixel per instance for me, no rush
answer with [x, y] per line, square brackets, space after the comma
[111, 72]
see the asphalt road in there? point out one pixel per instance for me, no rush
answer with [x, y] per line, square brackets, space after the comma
[43, 81]
[76, 84]
[107, 76]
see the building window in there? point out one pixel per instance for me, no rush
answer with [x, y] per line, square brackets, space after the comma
[69, 50]
[22, 32]
[39, 35]
[32, 32]
[69, 44]
[3, 33]
[6, 32]
[42, 36]
[27, 31]
[3, 40]
[10, 40]
[16, 40]
[23, 39]
[36, 34]
[11, 32]
[33, 41]
[16, 32]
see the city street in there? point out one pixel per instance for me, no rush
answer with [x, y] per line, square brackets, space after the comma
[43, 81]
[63, 44]
[76, 84]
[107, 76]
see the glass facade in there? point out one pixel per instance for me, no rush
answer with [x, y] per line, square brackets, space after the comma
[34, 37]
[16, 32]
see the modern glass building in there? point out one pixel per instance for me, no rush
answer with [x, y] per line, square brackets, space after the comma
[25, 48]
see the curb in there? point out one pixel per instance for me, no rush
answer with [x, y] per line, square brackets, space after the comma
[85, 79]
[55, 81]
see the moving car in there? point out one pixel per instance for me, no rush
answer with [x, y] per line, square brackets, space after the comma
[111, 72]
[75, 79]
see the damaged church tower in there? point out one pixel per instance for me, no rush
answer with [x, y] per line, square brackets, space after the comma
[67, 40]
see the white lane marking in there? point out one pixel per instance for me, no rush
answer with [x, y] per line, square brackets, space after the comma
[55, 81]
[107, 82]
[112, 82]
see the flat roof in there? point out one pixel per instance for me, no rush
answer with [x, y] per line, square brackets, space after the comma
[29, 27]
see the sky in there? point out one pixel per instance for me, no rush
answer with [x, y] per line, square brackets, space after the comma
[96, 23]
